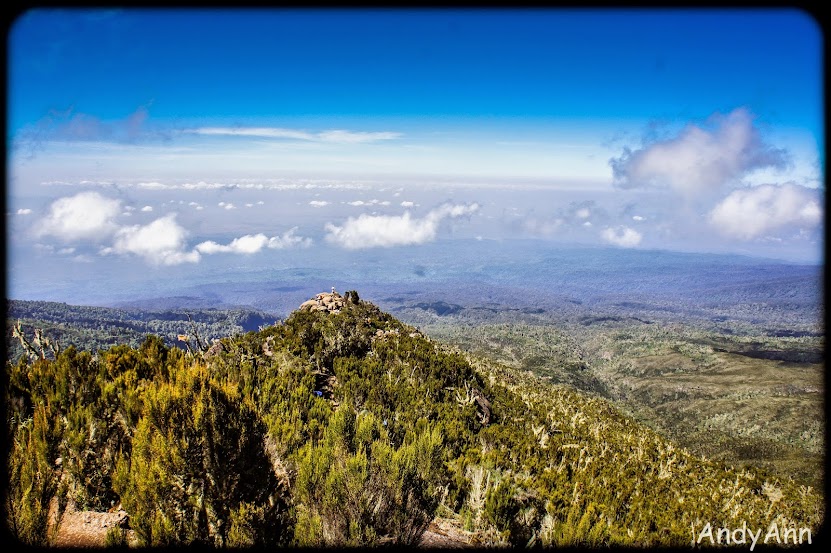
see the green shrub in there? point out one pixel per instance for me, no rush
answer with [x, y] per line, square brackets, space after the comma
[198, 472]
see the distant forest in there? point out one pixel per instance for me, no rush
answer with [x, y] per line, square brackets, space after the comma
[94, 328]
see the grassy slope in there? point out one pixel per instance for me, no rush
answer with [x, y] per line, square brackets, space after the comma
[707, 391]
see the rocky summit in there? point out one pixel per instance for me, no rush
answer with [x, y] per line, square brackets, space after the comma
[331, 302]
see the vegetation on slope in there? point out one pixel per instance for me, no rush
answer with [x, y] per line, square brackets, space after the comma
[352, 428]
[744, 397]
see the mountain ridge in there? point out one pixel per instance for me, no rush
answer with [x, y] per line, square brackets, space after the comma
[358, 404]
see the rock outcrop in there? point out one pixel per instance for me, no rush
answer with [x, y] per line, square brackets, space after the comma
[325, 301]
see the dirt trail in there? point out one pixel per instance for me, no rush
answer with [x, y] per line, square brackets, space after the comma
[88, 528]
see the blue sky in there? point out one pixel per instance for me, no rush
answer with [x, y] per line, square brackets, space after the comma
[696, 130]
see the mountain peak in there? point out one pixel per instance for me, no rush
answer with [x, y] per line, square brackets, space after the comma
[331, 302]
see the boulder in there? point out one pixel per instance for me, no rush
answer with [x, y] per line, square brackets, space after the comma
[324, 301]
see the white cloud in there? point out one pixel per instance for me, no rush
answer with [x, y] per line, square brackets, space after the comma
[288, 240]
[370, 231]
[352, 137]
[250, 243]
[407, 204]
[356, 203]
[24, 211]
[66, 251]
[147, 208]
[152, 185]
[750, 213]
[318, 203]
[260, 132]
[336, 135]
[253, 243]
[583, 213]
[638, 218]
[86, 215]
[622, 236]
[160, 242]
[699, 159]
[234, 184]
[226, 205]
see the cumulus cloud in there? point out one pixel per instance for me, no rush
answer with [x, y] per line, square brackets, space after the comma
[90, 216]
[407, 204]
[147, 208]
[24, 211]
[335, 135]
[371, 231]
[700, 158]
[622, 236]
[87, 215]
[288, 239]
[160, 242]
[638, 217]
[250, 243]
[253, 243]
[318, 203]
[752, 212]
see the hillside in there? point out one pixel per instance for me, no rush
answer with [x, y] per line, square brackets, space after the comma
[344, 426]
[92, 328]
[748, 397]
